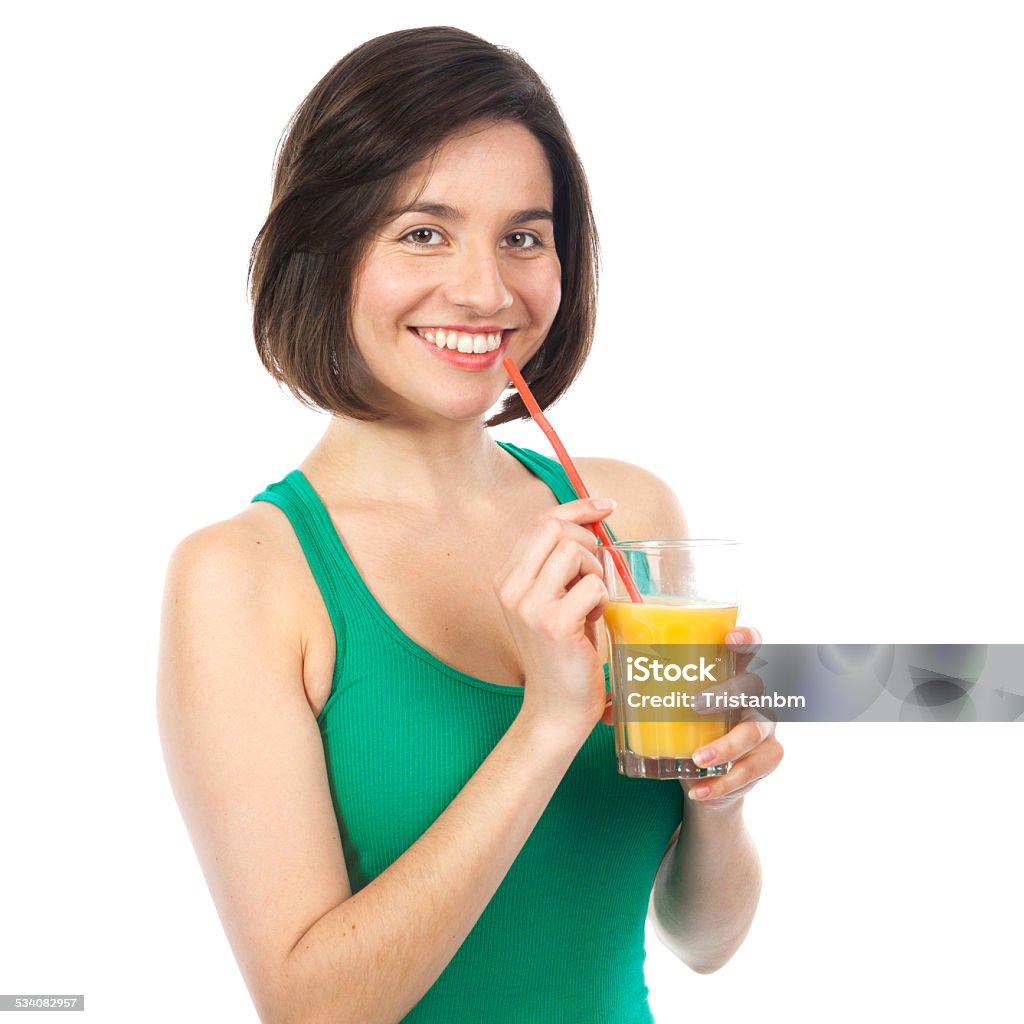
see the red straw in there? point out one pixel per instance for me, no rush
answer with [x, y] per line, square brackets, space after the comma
[567, 464]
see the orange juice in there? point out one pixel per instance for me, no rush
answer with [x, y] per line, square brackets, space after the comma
[679, 622]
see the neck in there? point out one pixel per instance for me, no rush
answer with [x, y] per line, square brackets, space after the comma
[428, 469]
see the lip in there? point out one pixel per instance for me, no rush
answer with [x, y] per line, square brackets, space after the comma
[472, 361]
[462, 329]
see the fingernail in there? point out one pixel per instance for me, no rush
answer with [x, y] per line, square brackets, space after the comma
[736, 636]
[705, 756]
[603, 504]
[698, 792]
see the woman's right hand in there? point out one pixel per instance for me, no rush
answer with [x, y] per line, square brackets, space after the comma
[552, 593]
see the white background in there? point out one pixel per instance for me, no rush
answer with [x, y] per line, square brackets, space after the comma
[810, 324]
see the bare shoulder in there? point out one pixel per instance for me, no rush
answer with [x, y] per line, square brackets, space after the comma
[226, 586]
[256, 539]
[253, 556]
[251, 570]
[647, 509]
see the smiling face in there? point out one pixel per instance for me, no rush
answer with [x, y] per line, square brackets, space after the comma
[463, 273]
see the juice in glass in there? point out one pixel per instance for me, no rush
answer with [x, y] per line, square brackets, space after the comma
[695, 629]
[667, 630]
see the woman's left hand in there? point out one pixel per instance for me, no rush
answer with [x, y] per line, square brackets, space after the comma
[751, 745]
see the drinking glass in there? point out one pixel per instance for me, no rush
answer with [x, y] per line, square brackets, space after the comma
[667, 652]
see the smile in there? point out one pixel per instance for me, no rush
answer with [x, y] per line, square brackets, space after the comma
[460, 341]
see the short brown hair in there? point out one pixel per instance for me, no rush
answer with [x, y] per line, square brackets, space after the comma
[381, 109]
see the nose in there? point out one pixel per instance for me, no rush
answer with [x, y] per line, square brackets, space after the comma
[476, 283]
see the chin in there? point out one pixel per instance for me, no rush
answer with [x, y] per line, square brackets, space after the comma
[470, 407]
[433, 407]
[466, 413]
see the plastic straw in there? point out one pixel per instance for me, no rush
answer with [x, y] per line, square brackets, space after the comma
[567, 464]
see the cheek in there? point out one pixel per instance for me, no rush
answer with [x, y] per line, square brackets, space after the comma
[374, 293]
[548, 292]
[385, 290]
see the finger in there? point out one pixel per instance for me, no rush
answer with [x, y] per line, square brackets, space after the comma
[745, 642]
[703, 793]
[737, 743]
[741, 776]
[568, 563]
[562, 618]
[538, 540]
[583, 511]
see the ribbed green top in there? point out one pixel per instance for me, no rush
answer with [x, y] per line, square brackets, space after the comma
[562, 940]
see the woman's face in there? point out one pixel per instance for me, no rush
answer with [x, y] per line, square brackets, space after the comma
[463, 274]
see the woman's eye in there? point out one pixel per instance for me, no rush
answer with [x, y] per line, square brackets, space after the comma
[424, 236]
[522, 240]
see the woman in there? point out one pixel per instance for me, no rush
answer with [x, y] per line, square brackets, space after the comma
[381, 685]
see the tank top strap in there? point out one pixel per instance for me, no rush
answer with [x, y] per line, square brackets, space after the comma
[328, 561]
[332, 568]
[550, 471]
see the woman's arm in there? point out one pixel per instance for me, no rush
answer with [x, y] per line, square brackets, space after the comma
[707, 887]
[373, 956]
[709, 881]
[246, 762]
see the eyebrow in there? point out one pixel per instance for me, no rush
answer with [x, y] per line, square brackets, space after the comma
[452, 213]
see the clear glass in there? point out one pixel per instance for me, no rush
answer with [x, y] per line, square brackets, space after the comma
[670, 649]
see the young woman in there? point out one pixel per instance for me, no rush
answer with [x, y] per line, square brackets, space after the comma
[382, 684]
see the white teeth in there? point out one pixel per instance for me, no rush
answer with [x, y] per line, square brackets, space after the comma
[462, 342]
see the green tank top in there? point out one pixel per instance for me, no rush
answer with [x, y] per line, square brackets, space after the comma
[562, 939]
